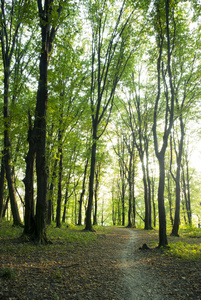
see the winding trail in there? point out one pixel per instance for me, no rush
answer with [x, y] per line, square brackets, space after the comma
[138, 282]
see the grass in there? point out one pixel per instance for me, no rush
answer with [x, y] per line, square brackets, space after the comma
[187, 246]
[184, 250]
[71, 235]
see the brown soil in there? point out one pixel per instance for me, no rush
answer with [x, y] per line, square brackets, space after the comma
[113, 267]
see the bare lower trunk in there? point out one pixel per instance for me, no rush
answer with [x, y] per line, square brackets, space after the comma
[161, 206]
[82, 194]
[91, 185]
[29, 221]
[2, 177]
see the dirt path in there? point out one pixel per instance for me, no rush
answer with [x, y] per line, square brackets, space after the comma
[150, 274]
[136, 280]
[110, 267]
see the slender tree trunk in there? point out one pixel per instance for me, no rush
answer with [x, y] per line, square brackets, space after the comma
[50, 193]
[6, 154]
[59, 197]
[186, 190]
[82, 193]
[161, 205]
[91, 186]
[2, 178]
[175, 229]
[170, 199]
[153, 202]
[29, 219]
[130, 191]
[5, 207]
[148, 188]
[8, 43]
[97, 176]
[133, 191]
[145, 199]
[123, 201]
[65, 204]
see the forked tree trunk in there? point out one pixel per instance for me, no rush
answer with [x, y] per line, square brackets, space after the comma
[38, 135]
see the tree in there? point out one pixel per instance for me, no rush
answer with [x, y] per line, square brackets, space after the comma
[138, 120]
[109, 58]
[48, 15]
[164, 39]
[11, 18]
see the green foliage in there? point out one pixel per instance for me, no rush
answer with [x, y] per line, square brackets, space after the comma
[185, 251]
[191, 232]
[8, 231]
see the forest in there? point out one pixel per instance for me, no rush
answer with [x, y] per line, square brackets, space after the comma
[100, 114]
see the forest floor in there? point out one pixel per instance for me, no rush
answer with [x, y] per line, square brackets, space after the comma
[107, 264]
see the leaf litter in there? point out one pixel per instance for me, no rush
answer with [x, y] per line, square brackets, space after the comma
[94, 269]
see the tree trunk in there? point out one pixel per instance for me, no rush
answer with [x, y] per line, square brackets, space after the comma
[65, 203]
[161, 206]
[39, 131]
[186, 190]
[50, 193]
[59, 197]
[148, 187]
[170, 200]
[82, 193]
[175, 229]
[2, 178]
[130, 190]
[91, 186]
[123, 202]
[153, 202]
[146, 225]
[6, 154]
[29, 219]
[97, 174]
[8, 42]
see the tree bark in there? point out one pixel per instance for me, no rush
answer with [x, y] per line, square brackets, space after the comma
[39, 131]
[50, 193]
[59, 196]
[169, 114]
[91, 185]
[82, 193]
[175, 229]
[29, 219]
[161, 205]
[2, 178]
[8, 42]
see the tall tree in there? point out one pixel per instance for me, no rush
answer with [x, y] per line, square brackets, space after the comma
[11, 18]
[108, 60]
[49, 13]
[165, 36]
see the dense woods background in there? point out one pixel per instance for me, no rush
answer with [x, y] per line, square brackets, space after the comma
[100, 114]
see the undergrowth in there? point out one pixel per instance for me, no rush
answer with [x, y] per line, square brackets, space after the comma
[185, 251]
[71, 235]
[189, 245]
